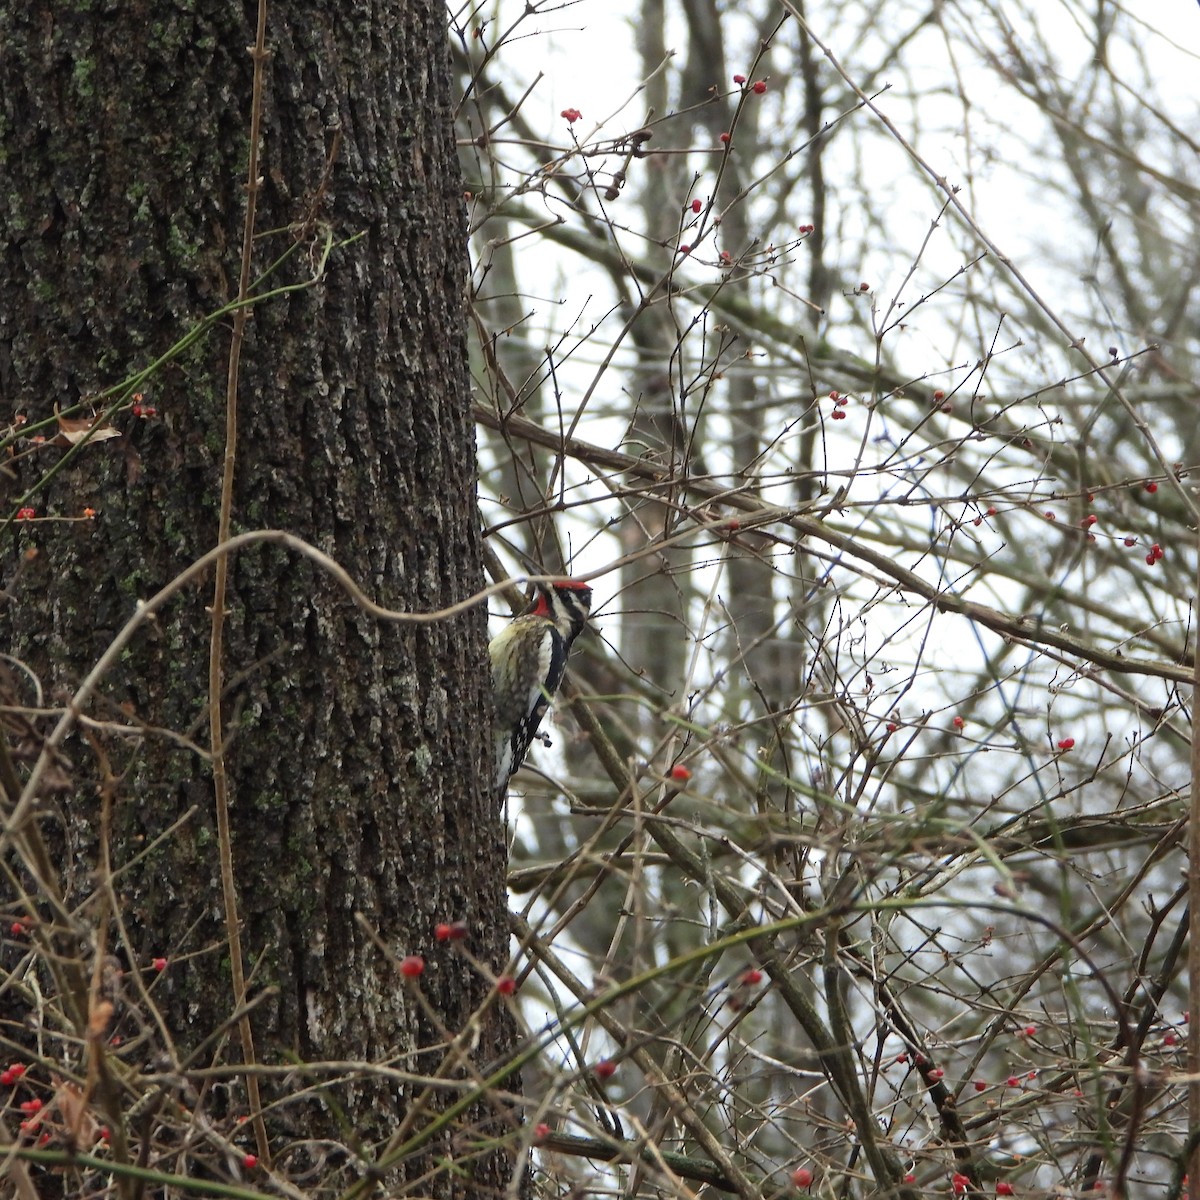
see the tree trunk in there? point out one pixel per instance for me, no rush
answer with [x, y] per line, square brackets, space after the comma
[357, 751]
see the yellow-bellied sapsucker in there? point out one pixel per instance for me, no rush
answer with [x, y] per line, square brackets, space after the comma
[529, 657]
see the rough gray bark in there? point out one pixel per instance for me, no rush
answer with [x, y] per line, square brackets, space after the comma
[358, 752]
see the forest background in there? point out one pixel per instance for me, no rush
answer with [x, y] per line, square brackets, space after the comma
[848, 351]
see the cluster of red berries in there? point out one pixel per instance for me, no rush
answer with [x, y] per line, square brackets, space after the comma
[758, 87]
[10, 1076]
[839, 404]
[412, 966]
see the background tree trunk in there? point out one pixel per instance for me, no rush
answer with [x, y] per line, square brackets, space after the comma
[357, 751]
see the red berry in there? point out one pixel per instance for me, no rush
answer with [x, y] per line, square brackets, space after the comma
[958, 722]
[838, 414]
[16, 929]
[1131, 541]
[939, 395]
[159, 964]
[802, 1177]
[412, 966]
[1152, 487]
[1013, 1081]
[1169, 1039]
[901, 1058]
[759, 86]
[959, 1182]
[32, 1106]
[977, 521]
[541, 1131]
[1088, 521]
[864, 287]
[980, 1086]
[891, 727]
[6, 1078]
[1064, 744]
[1151, 559]
[735, 525]
[751, 977]
[250, 1161]
[506, 985]
[1030, 1030]
[1004, 1188]
[724, 139]
[1156, 550]
[26, 514]
[696, 206]
[1051, 517]
[685, 249]
[604, 1069]
[910, 1178]
[936, 1073]
[991, 512]
[680, 773]
[442, 932]
[739, 79]
[571, 115]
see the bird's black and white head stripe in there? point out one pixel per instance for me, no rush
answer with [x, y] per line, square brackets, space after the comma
[567, 604]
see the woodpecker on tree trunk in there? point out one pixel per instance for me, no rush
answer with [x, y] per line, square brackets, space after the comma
[529, 657]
